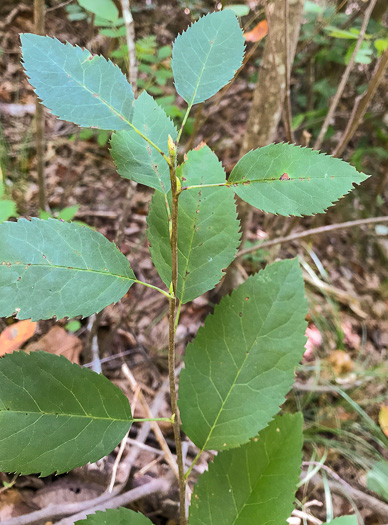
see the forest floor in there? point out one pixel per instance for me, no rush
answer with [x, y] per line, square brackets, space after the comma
[341, 385]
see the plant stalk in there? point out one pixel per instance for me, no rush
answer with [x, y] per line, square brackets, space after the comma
[171, 344]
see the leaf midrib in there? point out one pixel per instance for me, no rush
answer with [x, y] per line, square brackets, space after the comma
[58, 415]
[203, 67]
[296, 179]
[69, 268]
[190, 248]
[239, 371]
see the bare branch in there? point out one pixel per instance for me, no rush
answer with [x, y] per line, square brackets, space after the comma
[345, 76]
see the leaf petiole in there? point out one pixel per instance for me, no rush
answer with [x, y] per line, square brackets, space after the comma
[167, 419]
[166, 294]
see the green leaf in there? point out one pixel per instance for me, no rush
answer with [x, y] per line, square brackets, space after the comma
[311, 7]
[345, 520]
[135, 159]
[7, 210]
[241, 364]
[77, 86]
[54, 268]
[118, 516]
[381, 45]
[207, 55]
[364, 55]
[114, 32]
[102, 8]
[315, 181]
[377, 479]
[239, 9]
[68, 214]
[255, 483]
[55, 415]
[342, 33]
[73, 326]
[208, 229]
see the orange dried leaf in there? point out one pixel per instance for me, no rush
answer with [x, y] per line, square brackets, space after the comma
[14, 336]
[383, 419]
[258, 32]
[58, 341]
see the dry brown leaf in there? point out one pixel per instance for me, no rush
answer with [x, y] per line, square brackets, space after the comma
[258, 32]
[12, 505]
[341, 362]
[15, 335]
[383, 419]
[58, 341]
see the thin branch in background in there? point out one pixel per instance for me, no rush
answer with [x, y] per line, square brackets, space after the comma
[123, 443]
[318, 28]
[313, 231]
[63, 4]
[361, 104]
[345, 76]
[21, 8]
[93, 324]
[287, 95]
[130, 30]
[156, 486]
[155, 427]
[39, 113]
[362, 499]
[132, 77]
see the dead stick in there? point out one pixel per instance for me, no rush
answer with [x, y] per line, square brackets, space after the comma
[130, 32]
[154, 486]
[362, 104]
[345, 76]
[313, 231]
[155, 427]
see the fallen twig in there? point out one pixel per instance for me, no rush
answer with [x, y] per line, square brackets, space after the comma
[155, 486]
[155, 427]
[370, 502]
[313, 231]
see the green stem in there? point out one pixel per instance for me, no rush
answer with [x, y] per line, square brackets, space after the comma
[184, 122]
[166, 294]
[178, 314]
[193, 463]
[171, 331]
[168, 419]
